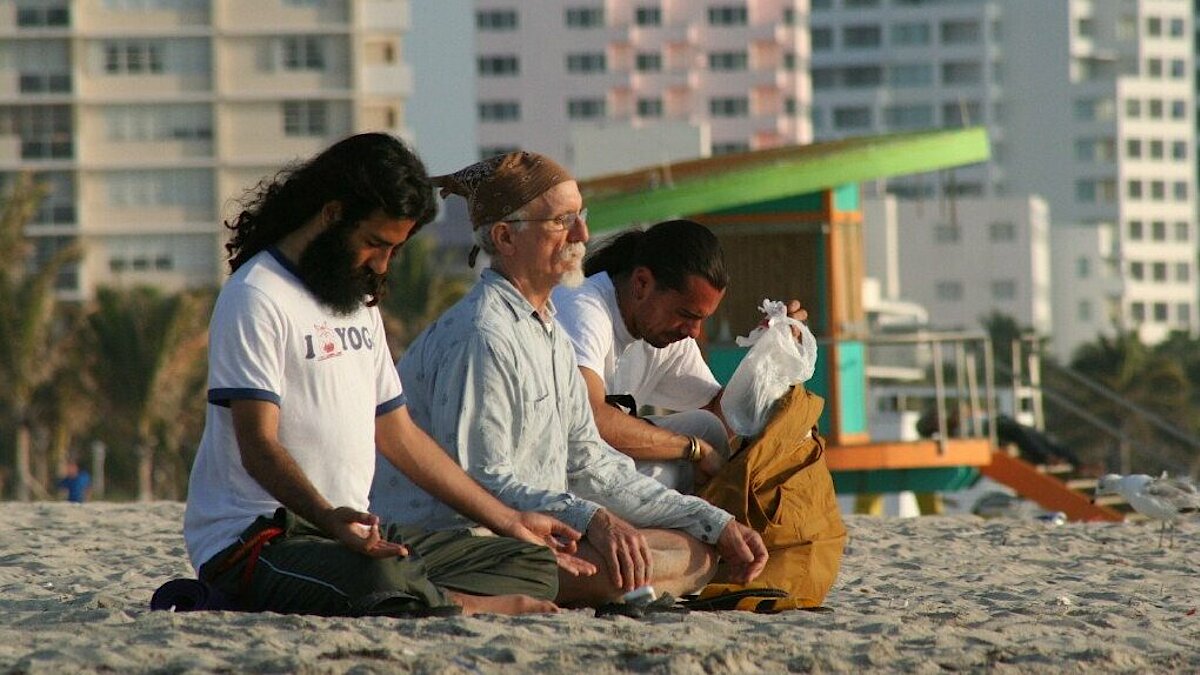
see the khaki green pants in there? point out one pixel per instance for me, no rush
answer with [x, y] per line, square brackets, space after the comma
[304, 571]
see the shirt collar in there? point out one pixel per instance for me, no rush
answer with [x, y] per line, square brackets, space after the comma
[517, 303]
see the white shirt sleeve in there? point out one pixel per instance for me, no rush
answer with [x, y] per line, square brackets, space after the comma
[589, 326]
[247, 348]
[389, 393]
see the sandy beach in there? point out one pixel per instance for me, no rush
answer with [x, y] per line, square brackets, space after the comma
[915, 595]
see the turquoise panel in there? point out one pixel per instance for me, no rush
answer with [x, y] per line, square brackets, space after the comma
[724, 360]
[942, 479]
[845, 197]
[852, 376]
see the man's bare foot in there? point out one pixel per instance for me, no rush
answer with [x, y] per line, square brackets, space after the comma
[502, 604]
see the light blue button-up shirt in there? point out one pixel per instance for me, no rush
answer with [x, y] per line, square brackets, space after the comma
[498, 388]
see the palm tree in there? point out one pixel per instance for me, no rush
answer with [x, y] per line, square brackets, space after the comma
[418, 292]
[147, 351]
[1136, 373]
[28, 355]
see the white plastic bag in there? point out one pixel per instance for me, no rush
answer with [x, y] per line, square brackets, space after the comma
[775, 362]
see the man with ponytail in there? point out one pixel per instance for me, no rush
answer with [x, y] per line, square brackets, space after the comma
[302, 392]
[633, 324]
[494, 381]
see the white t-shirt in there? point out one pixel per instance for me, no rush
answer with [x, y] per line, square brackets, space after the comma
[330, 375]
[674, 377]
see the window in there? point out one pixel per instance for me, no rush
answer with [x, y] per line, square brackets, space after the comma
[789, 60]
[647, 16]
[961, 114]
[946, 233]
[1158, 190]
[1085, 26]
[305, 118]
[728, 60]
[166, 187]
[857, 117]
[789, 16]
[45, 131]
[302, 52]
[1183, 272]
[1156, 149]
[960, 32]
[790, 107]
[1085, 191]
[824, 78]
[822, 39]
[861, 37]
[948, 290]
[1133, 108]
[1159, 271]
[733, 106]
[1179, 190]
[158, 122]
[1183, 313]
[1136, 230]
[1154, 67]
[1178, 109]
[1181, 230]
[1176, 28]
[498, 66]
[1083, 267]
[585, 17]
[1088, 109]
[1002, 231]
[728, 15]
[1160, 312]
[1158, 230]
[820, 5]
[909, 34]
[586, 62]
[648, 62]
[43, 16]
[1084, 311]
[1137, 311]
[1178, 69]
[133, 57]
[1137, 271]
[1004, 289]
[961, 72]
[649, 107]
[1154, 26]
[496, 20]
[1134, 189]
[857, 77]
[499, 111]
[730, 147]
[918, 116]
[1179, 150]
[910, 75]
[586, 108]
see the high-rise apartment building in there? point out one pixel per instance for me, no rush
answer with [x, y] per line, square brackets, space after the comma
[146, 117]
[739, 68]
[1089, 103]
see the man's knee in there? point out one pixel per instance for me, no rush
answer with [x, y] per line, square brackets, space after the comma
[702, 423]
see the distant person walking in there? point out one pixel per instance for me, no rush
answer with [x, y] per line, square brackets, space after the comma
[76, 481]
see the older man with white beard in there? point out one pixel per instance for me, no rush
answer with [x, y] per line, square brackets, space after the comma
[495, 381]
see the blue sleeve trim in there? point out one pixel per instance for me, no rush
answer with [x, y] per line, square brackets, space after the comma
[222, 397]
[388, 406]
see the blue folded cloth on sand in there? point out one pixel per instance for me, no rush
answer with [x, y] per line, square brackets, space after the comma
[189, 595]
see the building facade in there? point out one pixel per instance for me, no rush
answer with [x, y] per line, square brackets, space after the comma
[1089, 104]
[147, 118]
[738, 68]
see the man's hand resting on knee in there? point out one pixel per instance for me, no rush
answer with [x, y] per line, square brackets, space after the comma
[359, 532]
[743, 550]
[538, 528]
[623, 548]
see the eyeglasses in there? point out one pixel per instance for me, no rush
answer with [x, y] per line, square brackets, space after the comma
[564, 222]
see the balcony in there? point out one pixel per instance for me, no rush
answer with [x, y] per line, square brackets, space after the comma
[384, 16]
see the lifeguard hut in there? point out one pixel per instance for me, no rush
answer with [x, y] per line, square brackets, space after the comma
[791, 224]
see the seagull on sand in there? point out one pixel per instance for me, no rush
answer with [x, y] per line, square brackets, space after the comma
[1163, 499]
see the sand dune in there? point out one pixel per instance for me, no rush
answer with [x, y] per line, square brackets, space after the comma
[924, 595]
